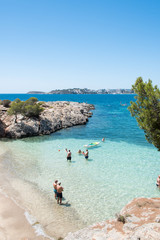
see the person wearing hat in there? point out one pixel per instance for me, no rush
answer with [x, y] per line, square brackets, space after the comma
[59, 193]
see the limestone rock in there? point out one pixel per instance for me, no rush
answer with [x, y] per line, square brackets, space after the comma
[56, 115]
[141, 223]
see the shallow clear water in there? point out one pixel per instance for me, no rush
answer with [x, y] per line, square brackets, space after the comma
[123, 167]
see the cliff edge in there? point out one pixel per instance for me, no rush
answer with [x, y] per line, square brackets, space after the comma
[138, 220]
[56, 115]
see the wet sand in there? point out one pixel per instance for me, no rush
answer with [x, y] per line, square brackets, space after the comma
[26, 213]
[13, 223]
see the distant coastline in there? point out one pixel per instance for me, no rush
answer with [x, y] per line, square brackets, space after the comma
[84, 91]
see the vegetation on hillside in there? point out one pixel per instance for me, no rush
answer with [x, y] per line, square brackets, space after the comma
[28, 108]
[6, 103]
[146, 110]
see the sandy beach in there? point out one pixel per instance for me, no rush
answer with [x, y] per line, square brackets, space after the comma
[13, 218]
[13, 223]
[26, 213]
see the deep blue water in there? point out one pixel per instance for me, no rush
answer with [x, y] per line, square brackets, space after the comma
[110, 119]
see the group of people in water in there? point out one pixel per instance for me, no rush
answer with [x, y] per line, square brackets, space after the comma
[58, 189]
[86, 154]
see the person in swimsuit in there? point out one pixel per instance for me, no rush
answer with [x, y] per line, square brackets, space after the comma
[68, 155]
[59, 193]
[86, 154]
[158, 181]
[79, 151]
[55, 188]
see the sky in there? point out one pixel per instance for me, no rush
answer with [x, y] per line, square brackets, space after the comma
[95, 44]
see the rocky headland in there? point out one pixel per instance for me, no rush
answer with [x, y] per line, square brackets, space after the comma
[55, 116]
[84, 91]
[138, 220]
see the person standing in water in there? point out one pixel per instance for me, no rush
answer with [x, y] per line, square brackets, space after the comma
[59, 193]
[55, 188]
[86, 154]
[68, 155]
[158, 181]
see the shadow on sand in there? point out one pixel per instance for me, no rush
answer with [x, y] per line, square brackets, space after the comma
[66, 204]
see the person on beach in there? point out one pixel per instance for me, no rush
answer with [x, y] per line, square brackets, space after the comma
[59, 193]
[158, 181]
[86, 154]
[68, 155]
[55, 188]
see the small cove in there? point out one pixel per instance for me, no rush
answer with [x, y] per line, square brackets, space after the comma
[125, 166]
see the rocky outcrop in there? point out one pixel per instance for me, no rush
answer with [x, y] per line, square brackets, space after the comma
[138, 220]
[56, 115]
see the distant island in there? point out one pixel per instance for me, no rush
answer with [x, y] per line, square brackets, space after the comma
[85, 91]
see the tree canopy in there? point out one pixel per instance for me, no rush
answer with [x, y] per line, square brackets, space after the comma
[28, 108]
[146, 110]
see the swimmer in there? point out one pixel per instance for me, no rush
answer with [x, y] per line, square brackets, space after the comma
[79, 151]
[103, 139]
[158, 181]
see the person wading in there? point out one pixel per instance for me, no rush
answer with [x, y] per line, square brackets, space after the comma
[59, 193]
[55, 188]
[68, 155]
[86, 154]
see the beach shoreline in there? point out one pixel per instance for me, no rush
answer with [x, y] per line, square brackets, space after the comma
[14, 224]
[26, 213]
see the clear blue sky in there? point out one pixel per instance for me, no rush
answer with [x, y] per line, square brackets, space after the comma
[56, 44]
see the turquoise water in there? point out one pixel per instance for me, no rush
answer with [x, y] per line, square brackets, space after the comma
[123, 167]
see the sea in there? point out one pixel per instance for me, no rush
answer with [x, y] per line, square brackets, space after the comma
[123, 167]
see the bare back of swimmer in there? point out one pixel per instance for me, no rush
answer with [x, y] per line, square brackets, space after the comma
[68, 154]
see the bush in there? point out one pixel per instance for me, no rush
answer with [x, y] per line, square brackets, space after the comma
[121, 218]
[33, 110]
[16, 107]
[29, 108]
[6, 103]
[31, 101]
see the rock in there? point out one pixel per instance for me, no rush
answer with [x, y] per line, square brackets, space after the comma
[142, 217]
[56, 115]
[157, 219]
[2, 129]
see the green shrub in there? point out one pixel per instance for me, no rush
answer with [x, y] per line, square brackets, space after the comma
[16, 107]
[33, 110]
[29, 108]
[6, 103]
[31, 101]
[121, 218]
